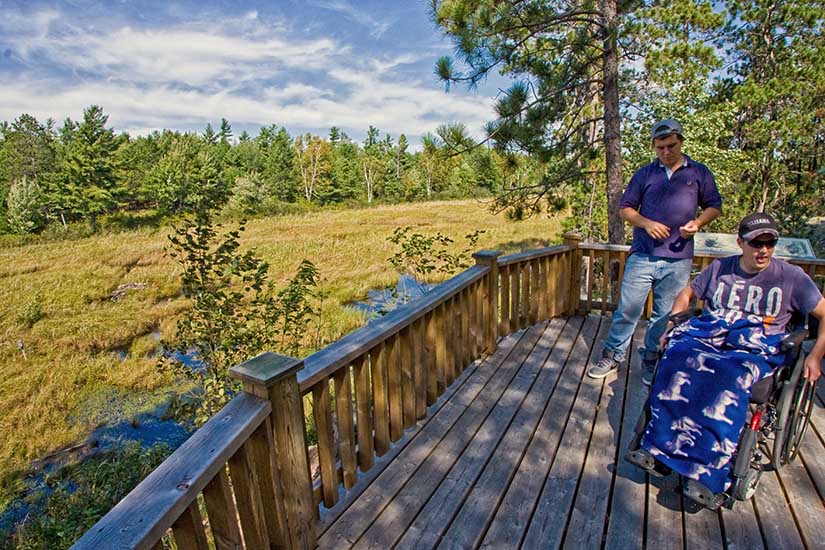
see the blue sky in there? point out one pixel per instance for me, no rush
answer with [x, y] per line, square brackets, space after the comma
[306, 65]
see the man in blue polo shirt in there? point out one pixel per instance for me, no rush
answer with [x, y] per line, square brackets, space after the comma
[660, 202]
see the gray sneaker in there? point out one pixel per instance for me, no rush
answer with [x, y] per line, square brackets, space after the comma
[648, 372]
[605, 366]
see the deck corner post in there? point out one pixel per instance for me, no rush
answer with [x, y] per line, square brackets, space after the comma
[490, 313]
[274, 377]
[573, 240]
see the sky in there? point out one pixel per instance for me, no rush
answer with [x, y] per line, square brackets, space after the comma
[303, 64]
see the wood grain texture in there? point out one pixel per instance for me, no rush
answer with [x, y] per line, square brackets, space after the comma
[223, 516]
[363, 406]
[188, 530]
[346, 428]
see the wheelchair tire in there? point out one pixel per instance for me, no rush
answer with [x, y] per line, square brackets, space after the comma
[746, 487]
[793, 413]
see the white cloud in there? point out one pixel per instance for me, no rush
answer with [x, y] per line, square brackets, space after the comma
[378, 26]
[251, 73]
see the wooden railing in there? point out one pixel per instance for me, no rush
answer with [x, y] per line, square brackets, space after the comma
[249, 466]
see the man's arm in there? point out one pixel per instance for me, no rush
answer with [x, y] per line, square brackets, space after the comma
[693, 226]
[681, 303]
[814, 359]
[654, 229]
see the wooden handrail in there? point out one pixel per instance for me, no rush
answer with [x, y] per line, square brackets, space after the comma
[323, 364]
[144, 515]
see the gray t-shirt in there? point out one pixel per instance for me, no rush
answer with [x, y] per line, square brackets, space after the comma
[768, 297]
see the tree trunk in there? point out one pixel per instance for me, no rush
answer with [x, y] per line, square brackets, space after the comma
[612, 130]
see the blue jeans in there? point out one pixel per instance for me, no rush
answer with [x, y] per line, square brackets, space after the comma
[642, 272]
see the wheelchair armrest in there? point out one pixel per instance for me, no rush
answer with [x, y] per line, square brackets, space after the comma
[793, 340]
[682, 316]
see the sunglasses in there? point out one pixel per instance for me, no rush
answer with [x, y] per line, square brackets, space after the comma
[759, 244]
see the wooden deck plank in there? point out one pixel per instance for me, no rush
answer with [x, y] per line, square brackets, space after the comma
[480, 392]
[775, 518]
[741, 527]
[664, 513]
[703, 529]
[626, 515]
[476, 500]
[587, 520]
[435, 517]
[512, 518]
[805, 503]
[396, 518]
[550, 516]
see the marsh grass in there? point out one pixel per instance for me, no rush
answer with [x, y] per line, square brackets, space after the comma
[56, 301]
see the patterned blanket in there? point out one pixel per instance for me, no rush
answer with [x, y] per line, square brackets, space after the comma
[699, 400]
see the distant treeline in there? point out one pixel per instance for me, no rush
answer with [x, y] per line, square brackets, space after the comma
[82, 170]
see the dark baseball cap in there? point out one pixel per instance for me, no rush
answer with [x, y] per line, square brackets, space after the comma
[666, 127]
[757, 224]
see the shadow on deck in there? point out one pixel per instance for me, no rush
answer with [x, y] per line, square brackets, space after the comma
[524, 450]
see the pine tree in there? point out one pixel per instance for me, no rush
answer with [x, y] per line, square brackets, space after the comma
[88, 185]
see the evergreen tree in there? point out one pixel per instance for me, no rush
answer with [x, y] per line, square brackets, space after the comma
[27, 151]
[279, 170]
[88, 186]
[25, 206]
[209, 136]
[564, 109]
[779, 91]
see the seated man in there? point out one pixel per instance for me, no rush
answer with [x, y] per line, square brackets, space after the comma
[699, 399]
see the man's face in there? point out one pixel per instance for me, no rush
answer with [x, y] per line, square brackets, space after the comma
[757, 252]
[668, 149]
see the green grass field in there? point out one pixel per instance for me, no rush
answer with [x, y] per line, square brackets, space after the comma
[82, 352]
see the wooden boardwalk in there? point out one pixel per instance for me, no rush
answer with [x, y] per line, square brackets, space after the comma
[523, 450]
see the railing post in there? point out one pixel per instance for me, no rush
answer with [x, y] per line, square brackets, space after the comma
[490, 314]
[572, 240]
[274, 377]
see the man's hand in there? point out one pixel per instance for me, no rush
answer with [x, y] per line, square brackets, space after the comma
[689, 229]
[812, 368]
[657, 230]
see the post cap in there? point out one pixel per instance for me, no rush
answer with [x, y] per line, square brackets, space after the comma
[266, 369]
[572, 236]
[486, 256]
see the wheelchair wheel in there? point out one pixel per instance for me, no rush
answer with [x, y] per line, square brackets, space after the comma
[746, 487]
[794, 407]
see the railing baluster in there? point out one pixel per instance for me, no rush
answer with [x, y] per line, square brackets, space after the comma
[591, 273]
[430, 355]
[420, 368]
[605, 279]
[407, 381]
[378, 364]
[188, 530]
[504, 325]
[441, 348]
[346, 430]
[515, 285]
[363, 406]
[326, 445]
[223, 516]
[544, 301]
[525, 295]
[535, 292]
[394, 387]
[261, 451]
[449, 332]
[250, 508]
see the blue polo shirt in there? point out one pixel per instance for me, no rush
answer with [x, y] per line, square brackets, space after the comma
[673, 202]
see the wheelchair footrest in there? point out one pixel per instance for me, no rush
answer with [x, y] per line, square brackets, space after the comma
[644, 460]
[700, 494]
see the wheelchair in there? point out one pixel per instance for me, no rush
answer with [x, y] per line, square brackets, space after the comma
[779, 413]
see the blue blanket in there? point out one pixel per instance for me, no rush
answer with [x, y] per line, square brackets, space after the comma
[699, 399]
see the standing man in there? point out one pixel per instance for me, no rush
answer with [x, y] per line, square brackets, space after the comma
[660, 202]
